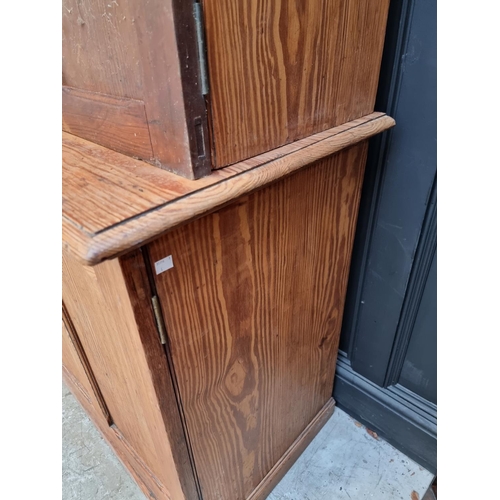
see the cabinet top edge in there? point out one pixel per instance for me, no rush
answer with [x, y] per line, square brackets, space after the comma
[113, 203]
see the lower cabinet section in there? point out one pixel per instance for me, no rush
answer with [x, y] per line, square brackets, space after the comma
[207, 357]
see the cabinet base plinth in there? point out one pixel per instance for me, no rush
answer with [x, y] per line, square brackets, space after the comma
[275, 475]
[141, 474]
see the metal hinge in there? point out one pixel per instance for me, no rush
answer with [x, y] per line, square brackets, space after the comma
[202, 52]
[160, 324]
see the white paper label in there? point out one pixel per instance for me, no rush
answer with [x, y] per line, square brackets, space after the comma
[164, 264]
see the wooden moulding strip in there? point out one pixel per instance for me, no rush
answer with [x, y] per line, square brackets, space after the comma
[137, 231]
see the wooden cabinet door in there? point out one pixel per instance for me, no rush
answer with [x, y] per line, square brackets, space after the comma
[281, 70]
[253, 308]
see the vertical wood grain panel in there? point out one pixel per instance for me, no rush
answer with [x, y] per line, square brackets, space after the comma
[253, 307]
[284, 69]
[74, 367]
[173, 99]
[77, 366]
[72, 364]
[126, 357]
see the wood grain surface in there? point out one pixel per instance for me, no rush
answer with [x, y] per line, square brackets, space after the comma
[127, 49]
[253, 307]
[274, 476]
[135, 276]
[100, 50]
[73, 367]
[110, 308]
[76, 364]
[114, 122]
[281, 70]
[113, 203]
[165, 31]
[141, 473]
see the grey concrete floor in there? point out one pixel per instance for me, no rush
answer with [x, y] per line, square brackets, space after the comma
[343, 462]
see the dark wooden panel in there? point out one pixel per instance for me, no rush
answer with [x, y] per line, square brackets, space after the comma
[284, 69]
[174, 104]
[127, 49]
[99, 47]
[414, 357]
[398, 416]
[115, 122]
[419, 371]
[253, 307]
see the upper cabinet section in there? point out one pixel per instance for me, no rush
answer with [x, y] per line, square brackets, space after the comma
[131, 81]
[281, 70]
[192, 86]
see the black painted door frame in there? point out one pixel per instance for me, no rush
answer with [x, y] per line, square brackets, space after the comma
[386, 367]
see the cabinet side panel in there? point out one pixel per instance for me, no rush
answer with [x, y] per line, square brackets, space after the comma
[73, 368]
[281, 70]
[253, 305]
[100, 307]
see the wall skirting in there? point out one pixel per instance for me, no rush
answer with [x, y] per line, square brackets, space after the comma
[396, 414]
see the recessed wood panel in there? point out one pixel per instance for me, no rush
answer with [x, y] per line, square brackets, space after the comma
[115, 122]
[100, 48]
[75, 367]
[284, 69]
[253, 307]
[129, 49]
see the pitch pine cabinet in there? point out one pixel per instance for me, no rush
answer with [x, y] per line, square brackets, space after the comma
[201, 318]
[192, 85]
[202, 311]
